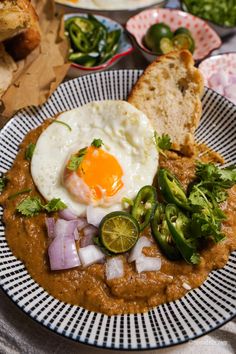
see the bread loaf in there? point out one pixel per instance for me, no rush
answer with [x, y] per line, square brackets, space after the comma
[7, 67]
[169, 93]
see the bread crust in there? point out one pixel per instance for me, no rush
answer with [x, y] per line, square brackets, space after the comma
[21, 27]
[171, 81]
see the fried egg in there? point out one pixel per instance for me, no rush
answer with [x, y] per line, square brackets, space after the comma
[126, 161]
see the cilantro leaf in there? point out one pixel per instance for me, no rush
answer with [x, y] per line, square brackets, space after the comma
[162, 142]
[195, 258]
[212, 175]
[55, 205]
[76, 160]
[3, 182]
[29, 151]
[30, 206]
[97, 143]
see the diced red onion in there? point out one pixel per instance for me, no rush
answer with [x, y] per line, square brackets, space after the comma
[50, 224]
[76, 234]
[82, 222]
[217, 79]
[89, 232]
[232, 79]
[230, 92]
[65, 228]
[147, 264]
[90, 255]
[67, 214]
[136, 251]
[114, 268]
[95, 215]
[63, 253]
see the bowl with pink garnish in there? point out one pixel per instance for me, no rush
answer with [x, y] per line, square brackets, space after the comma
[219, 73]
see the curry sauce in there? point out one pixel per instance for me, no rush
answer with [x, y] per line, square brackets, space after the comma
[28, 240]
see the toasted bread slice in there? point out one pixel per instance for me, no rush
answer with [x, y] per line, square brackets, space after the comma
[169, 93]
[19, 26]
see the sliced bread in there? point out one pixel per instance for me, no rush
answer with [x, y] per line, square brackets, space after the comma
[169, 93]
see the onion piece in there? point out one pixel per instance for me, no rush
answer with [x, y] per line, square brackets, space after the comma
[147, 264]
[90, 255]
[95, 215]
[114, 268]
[82, 222]
[137, 249]
[89, 232]
[50, 224]
[76, 234]
[230, 92]
[63, 253]
[67, 214]
[65, 228]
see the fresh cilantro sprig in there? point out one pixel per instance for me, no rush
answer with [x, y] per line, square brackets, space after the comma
[76, 160]
[97, 143]
[207, 193]
[162, 143]
[29, 151]
[31, 206]
[3, 183]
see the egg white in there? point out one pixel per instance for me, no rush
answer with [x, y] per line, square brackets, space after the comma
[127, 134]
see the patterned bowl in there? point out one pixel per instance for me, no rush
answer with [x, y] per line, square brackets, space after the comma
[125, 47]
[200, 311]
[206, 39]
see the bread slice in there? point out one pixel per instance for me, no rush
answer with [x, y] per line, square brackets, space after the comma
[169, 93]
[19, 26]
[7, 67]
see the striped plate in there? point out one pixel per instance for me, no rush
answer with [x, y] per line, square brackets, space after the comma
[197, 313]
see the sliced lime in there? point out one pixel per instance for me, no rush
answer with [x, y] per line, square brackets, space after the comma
[118, 232]
[166, 45]
[182, 41]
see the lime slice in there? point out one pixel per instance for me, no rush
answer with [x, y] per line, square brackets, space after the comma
[166, 45]
[182, 41]
[118, 231]
[154, 34]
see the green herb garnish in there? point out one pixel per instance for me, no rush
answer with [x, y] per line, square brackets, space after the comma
[76, 160]
[54, 205]
[63, 123]
[3, 182]
[23, 191]
[29, 151]
[97, 143]
[128, 201]
[32, 206]
[162, 142]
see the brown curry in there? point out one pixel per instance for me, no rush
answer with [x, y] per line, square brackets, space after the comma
[27, 237]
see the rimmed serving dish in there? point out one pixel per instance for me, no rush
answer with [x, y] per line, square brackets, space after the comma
[200, 311]
[206, 39]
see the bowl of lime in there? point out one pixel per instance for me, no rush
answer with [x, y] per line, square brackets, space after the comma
[159, 31]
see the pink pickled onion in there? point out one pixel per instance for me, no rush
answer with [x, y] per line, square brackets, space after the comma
[67, 214]
[89, 232]
[64, 227]
[114, 268]
[90, 255]
[63, 253]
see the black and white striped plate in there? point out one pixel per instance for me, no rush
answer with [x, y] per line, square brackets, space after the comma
[197, 313]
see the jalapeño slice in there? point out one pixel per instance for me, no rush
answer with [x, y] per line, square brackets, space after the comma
[118, 232]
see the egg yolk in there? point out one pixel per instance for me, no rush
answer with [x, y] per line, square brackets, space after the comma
[101, 172]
